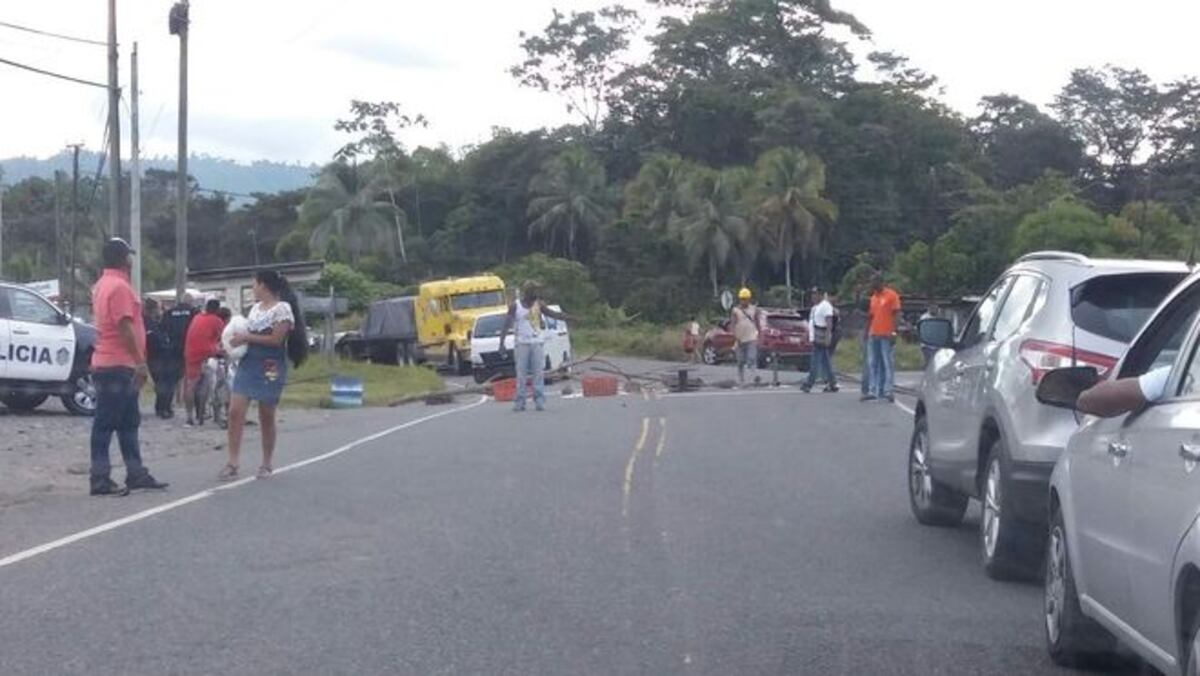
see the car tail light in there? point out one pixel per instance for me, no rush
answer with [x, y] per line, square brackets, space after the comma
[1042, 357]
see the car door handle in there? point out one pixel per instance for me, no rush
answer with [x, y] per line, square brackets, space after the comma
[20, 332]
[1189, 452]
[1118, 449]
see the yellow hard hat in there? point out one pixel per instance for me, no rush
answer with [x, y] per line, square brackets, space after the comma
[745, 294]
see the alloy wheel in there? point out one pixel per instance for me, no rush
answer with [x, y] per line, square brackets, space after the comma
[990, 523]
[1056, 584]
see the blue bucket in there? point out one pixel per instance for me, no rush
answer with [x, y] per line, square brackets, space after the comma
[346, 392]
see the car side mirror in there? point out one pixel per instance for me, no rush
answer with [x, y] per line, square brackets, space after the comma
[64, 319]
[936, 332]
[1061, 388]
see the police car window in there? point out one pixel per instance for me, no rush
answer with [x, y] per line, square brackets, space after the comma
[1162, 339]
[985, 313]
[24, 306]
[1017, 306]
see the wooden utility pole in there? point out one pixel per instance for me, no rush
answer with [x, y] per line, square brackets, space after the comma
[58, 257]
[135, 175]
[74, 223]
[114, 128]
[179, 26]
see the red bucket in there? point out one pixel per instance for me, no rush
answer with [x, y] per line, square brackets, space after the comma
[505, 390]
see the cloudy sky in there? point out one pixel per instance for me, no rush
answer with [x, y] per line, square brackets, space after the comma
[268, 77]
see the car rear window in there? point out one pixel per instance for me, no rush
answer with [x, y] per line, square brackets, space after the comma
[1116, 306]
[786, 323]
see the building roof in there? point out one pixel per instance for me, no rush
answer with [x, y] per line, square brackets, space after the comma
[299, 268]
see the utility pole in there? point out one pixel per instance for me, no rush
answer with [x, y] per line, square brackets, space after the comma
[114, 126]
[135, 175]
[74, 223]
[1, 232]
[179, 26]
[58, 257]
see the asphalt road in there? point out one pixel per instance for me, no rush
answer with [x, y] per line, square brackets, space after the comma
[715, 533]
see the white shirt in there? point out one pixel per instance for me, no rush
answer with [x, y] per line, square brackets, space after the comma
[529, 324]
[263, 321]
[819, 316]
[1154, 383]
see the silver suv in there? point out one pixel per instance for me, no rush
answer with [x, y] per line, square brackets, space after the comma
[1124, 542]
[979, 430]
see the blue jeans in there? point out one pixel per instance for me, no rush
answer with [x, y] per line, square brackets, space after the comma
[866, 366]
[531, 363]
[747, 358]
[116, 411]
[883, 369]
[820, 366]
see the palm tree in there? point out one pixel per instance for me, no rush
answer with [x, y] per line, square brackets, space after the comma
[351, 207]
[711, 223]
[656, 194]
[790, 209]
[571, 197]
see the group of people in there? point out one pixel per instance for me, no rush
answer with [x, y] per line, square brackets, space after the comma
[136, 341]
[880, 330]
[178, 342]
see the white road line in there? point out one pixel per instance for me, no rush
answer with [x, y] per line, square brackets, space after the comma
[145, 514]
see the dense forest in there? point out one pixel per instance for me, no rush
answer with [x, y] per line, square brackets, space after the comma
[749, 147]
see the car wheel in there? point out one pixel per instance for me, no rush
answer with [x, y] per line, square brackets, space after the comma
[1192, 666]
[709, 354]
[999, 531]
[933, 504]
[23, 401]
[1072, 638]
[481, 376]
[82, 400]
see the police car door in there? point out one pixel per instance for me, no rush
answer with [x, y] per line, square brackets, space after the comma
[41, 343]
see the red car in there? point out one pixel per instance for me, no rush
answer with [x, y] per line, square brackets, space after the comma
[785, 337]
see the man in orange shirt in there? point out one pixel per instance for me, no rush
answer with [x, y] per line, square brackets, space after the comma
[118, 370]
[882, 319]
[203, 341]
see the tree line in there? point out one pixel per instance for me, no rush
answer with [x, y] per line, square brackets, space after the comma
[749, 147]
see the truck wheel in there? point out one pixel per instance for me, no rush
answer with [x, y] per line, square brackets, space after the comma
[932, 503]
[82, 400]
[23, 401]
[456, 363]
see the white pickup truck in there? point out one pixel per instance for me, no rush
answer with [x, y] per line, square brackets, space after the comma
[486, 359]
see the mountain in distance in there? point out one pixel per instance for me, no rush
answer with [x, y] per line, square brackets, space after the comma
[211, 173]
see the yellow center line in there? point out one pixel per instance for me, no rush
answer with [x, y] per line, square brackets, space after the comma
[662, 437]
[627, 487]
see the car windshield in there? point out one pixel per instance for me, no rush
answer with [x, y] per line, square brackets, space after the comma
[489, 326]
[467, 301]
[1117, 306]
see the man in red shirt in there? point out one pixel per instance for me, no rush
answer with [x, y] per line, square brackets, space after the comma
[118, 370]
[203, 341]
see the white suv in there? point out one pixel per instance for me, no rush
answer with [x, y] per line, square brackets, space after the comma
[43, 353]
[979, 430]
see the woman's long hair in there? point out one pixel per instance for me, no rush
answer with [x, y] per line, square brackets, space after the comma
[297, 342]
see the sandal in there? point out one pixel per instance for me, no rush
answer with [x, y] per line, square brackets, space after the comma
[228, 473]
[264, 472]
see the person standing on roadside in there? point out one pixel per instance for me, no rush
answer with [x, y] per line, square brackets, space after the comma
[175, 326]
[691, 341]
[745, 322]
[882, 321]
[156, 354]
[821, 321]
[119, 369]
[203, 341]
[525, 320]
[276, 333]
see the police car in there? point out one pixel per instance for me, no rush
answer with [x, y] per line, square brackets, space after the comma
[43, 353]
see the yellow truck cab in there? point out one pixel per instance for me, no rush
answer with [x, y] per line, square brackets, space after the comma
[446, 311]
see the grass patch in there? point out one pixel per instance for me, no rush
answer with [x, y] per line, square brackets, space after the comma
[848, 358]
[308, 386]
[633, 340]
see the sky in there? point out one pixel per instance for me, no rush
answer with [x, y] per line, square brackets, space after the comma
[269, 77]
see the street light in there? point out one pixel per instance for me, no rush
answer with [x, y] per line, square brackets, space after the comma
[178, 24]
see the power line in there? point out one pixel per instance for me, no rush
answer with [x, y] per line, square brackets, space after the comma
[52, 35]
[51, 74]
